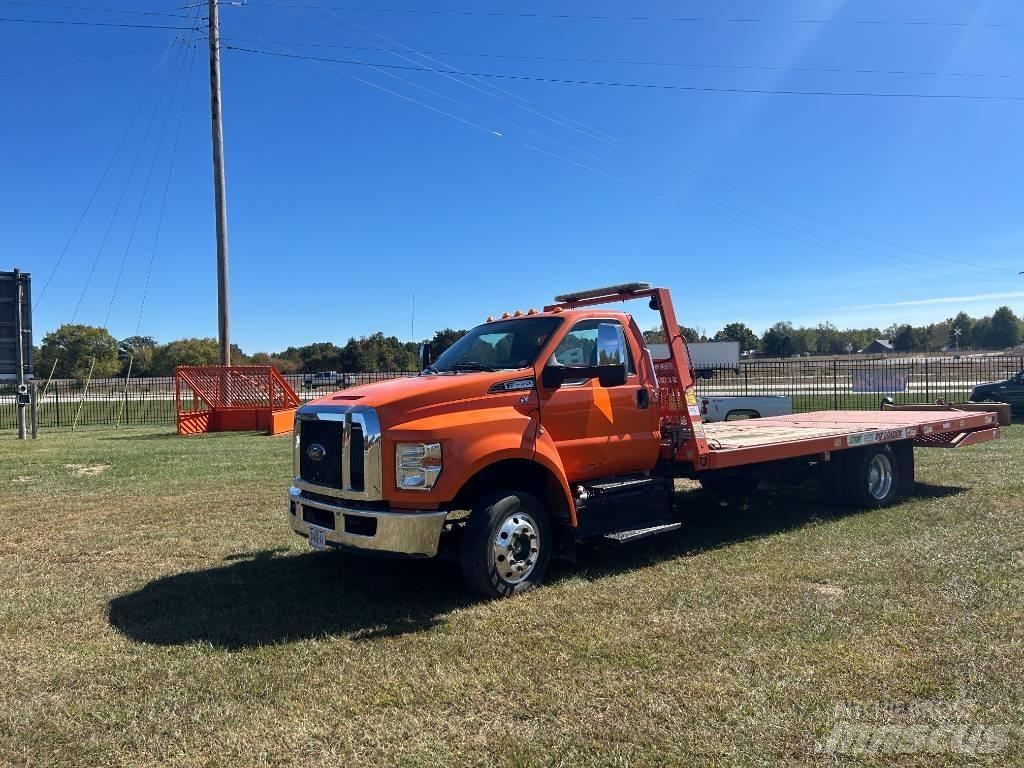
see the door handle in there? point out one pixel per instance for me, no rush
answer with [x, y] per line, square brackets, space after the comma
[643, 398]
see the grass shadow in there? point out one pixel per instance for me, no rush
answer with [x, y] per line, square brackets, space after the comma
[266, 599]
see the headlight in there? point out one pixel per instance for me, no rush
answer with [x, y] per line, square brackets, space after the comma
[417, 465]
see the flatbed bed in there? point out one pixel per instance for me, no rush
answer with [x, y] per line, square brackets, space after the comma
[751, 441]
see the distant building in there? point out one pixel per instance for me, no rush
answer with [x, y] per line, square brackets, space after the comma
[877, 347]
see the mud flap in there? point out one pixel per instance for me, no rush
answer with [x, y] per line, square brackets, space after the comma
[904, 450]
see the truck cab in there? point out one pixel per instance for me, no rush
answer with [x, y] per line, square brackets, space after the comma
[519, 412]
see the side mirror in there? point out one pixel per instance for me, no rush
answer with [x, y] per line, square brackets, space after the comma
[611, 375]
[553, 376]
[425, 355]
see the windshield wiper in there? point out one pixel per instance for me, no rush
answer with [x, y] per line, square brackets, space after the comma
[429, 369]
[470, 365]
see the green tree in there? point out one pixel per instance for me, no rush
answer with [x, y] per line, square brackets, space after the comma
[779, 340]
[444, 339]
[981, 333]
[138, 352]
[386, 353]
[828, 340]
[738, 332]
[352, 359]
[73, 348]
[691, 335]
[1006, 329]
[283, 364]
[907, 338]
[185, 352]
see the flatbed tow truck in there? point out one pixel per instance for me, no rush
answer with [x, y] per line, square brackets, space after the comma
[540, 430]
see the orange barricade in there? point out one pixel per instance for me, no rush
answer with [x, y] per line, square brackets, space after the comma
[218, 398]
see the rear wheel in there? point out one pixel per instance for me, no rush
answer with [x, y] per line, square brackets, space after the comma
[871, 477]
[506, 545]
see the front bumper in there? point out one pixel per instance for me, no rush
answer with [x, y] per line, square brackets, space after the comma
[373, 530]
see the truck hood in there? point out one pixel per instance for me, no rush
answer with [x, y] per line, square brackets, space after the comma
[403, 399]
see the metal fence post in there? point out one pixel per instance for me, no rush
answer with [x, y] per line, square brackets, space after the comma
[835, 385]
[927, 382]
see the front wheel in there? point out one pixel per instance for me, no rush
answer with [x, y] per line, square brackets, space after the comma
[506, 545]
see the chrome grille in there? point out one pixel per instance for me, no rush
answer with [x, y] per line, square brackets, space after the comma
[350, 438]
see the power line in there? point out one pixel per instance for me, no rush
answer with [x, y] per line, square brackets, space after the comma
[470, 107]
[752, 195]
[167, 187]
[846, 247]
[647, 63]
[145, 188]
[133, 11]
[544, 113]
[604, 17]
[840, 227]
[103, 176]
[650, 86]
[96, 24]
[84, 61]
[124, 190]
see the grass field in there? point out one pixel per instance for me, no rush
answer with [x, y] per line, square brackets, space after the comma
[155, 609]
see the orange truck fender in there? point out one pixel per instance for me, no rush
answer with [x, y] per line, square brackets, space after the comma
[486, 447]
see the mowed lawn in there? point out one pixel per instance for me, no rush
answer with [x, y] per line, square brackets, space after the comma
[156, 609]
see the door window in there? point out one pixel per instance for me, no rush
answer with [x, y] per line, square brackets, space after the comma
[581, 347]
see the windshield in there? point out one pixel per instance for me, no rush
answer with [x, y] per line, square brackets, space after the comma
[503, 344]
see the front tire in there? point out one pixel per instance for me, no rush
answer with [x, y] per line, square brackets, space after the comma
[506, 545]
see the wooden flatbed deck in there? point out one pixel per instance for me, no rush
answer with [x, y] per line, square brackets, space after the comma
[751, 441]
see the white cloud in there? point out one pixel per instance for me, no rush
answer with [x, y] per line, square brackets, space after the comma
[942, 300]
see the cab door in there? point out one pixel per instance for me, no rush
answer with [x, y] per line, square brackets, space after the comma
[599, 431]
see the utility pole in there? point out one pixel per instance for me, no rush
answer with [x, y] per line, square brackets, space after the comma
[19, 336]
[220, 198]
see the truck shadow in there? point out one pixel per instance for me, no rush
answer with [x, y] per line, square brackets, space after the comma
[709, 524]
[268, 597]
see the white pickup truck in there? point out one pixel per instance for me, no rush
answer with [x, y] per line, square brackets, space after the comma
[331, 379]
[731, 407]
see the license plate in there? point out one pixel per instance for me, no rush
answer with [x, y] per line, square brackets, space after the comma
[317, 537]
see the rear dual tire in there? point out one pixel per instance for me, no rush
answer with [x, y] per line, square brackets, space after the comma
[867, 478]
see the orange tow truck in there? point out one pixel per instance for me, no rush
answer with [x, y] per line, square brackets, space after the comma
[540, 430]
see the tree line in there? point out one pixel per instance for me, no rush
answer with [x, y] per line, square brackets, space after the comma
[78, 351]
[1001, 330]
[75, 351]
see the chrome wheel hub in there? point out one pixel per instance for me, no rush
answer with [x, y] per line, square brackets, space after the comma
[516, 547]
[880, 477]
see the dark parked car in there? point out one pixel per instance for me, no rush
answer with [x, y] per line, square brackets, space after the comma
[1010, 391]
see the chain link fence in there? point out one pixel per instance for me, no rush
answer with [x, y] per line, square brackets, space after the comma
[812, 384]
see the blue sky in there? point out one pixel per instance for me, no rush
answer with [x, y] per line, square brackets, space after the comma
[346, 195]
